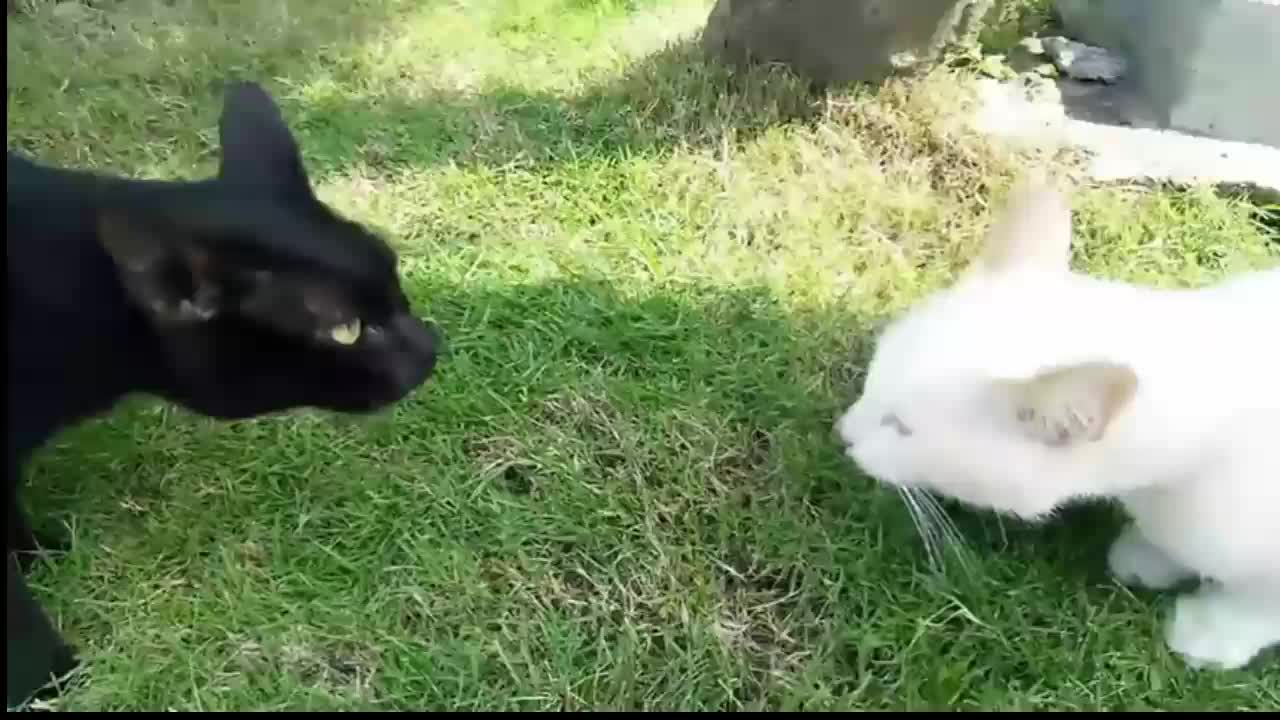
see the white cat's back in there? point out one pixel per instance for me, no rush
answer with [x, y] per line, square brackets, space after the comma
[1243, 317]
[1216, 347]
[1215, 502]
[1208, 367]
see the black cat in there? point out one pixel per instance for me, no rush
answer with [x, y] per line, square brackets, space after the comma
[234, 297]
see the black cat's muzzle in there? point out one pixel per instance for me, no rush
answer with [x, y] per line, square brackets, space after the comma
[416, 349]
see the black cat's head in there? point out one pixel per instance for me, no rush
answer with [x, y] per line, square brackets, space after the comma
[261, 297]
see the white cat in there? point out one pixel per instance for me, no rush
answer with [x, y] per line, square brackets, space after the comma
[1026, 385]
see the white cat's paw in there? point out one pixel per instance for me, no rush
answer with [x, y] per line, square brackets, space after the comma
[1210, 629]
[1135, 561]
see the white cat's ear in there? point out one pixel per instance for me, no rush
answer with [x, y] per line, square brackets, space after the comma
[1033, 231]
[1069, 405]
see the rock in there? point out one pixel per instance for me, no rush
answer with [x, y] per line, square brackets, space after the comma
[835, 42]
[1028, 56]
[1205, 67]
[1118, 136]
[1033, 45]
[1084, 62]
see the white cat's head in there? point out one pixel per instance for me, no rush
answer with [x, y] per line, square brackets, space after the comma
[979, 393]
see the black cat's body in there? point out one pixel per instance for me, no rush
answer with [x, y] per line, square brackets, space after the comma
[233, 297]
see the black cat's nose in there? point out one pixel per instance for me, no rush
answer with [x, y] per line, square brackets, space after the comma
[419, 345]
[421, 338]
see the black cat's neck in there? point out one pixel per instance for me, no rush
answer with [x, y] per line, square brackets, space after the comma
[85, 194]
[76, 345]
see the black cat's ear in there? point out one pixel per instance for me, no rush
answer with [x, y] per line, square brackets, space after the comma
[170, 279]
[258, 151]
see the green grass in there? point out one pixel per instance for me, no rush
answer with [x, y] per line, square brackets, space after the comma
[621, 489]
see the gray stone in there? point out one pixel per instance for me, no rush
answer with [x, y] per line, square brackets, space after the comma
[1084, 62]
[1028, 56]
[834, 42]
[1206, 67]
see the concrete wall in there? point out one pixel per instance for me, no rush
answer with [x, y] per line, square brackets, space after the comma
[1208, 67]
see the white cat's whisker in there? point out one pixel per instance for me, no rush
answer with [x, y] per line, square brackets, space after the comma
[937, 529]
[940, 516]
[924, 526]
[907, 501]
[950, 532]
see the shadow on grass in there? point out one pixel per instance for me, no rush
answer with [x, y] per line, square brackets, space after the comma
[639, 408]
[119, 85]
[672, 99]
[587, 459]
[511, 351]
[169, 96]
[573, 431]
[589, 464]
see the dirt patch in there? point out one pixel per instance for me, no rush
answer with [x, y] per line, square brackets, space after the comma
[335, 669]
[505, 461]
[763, 617]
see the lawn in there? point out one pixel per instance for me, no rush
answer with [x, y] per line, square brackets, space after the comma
[621, 491]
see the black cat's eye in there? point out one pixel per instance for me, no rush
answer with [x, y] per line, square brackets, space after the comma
[896, 423]
[354, 332]
[347, 333]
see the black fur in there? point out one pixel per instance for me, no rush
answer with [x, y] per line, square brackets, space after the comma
[219, 295]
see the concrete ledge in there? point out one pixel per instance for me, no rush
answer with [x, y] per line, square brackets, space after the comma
[1037, 115]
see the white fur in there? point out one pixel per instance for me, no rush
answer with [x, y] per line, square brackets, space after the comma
[1026, 385]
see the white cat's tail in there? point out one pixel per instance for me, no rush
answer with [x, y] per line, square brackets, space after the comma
[1032, 231]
